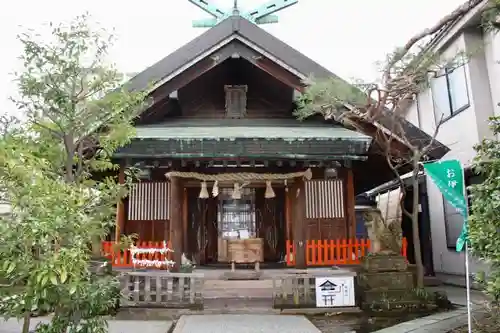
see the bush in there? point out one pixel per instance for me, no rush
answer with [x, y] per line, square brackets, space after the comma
[484, 222]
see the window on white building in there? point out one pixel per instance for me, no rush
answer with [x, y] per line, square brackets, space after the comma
[450, 93]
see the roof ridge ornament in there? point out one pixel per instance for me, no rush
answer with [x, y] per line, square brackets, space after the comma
[260, 15]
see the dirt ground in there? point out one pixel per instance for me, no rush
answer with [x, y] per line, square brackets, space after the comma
[484, 325]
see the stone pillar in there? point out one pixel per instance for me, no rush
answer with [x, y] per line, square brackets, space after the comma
[176, 227]
[299, 216]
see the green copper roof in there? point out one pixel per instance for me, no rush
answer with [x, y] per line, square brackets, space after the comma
[263, 138]
[249, 132]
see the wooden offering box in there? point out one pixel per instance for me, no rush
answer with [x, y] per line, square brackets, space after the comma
[246, 251]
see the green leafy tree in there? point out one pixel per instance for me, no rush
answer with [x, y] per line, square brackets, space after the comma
[403, 75]
[73, 103]
[484, 221]
[58, 174]
[45, 245]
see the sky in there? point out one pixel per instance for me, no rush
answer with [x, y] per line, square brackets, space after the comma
[346, 36]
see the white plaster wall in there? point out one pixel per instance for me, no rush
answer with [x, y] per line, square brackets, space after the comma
[460, 133]
[412, 114]
[492, 58]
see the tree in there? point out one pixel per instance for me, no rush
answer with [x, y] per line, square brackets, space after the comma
[73, 102]
[484, 220]
[55, 172]
[44, 245]
[386, 140]
[405, 72]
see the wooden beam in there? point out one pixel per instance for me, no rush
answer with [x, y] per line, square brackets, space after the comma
[299, 237]
[281, 74]
[120, 207]
[350, 203]
[161, 105]
[193, 72]
[176, 191]
[397, 148]
[270, 67]
[185, 245]
[288, 214]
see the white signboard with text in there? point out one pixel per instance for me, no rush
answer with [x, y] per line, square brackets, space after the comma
[335, 291]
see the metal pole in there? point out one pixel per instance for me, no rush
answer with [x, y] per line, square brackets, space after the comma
[467, 285]
[467, 271]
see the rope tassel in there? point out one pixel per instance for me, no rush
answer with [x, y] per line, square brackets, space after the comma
[215, 189]
[236, 191]
[269, 190]
[203, 191]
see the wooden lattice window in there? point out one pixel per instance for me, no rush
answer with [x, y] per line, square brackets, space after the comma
[149, 201]
[236, 217]
[324, 199]
[236, 101]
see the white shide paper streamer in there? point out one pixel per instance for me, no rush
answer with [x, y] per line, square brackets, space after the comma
[151, 263]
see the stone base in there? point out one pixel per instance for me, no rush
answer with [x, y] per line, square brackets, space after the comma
[242, 275]
[401, 300]
[372, 296]
[385, 280]
[384, 263]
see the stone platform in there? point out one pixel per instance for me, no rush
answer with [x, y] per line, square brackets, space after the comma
[115, 326]
[244, 324]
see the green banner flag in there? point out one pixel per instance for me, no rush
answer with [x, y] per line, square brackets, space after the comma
[449, 178]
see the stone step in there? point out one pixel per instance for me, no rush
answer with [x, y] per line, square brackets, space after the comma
[237, 303]
[237, 284]
[238, 293]
[237, 289]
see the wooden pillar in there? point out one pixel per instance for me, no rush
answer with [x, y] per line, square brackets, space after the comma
[288, 214]
[120, 207]
[185, 245]
[176, 192]
[299, 219]
[350, 202]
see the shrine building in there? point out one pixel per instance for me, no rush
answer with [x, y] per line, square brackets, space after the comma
[223, 158]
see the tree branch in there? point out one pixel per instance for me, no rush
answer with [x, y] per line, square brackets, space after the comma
[403, 51]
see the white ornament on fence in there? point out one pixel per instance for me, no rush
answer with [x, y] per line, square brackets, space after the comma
[151, 263]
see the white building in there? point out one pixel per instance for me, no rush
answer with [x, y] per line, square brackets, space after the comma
[464, 97]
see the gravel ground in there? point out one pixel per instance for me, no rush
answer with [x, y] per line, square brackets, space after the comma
[484, 325]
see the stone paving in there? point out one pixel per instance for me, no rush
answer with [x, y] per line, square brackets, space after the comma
[446, 321]
[438, 323]
[263, 323]
[244, 324]
[115, 326]
[457, 295]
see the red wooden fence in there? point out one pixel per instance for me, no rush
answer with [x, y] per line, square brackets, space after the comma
[123, 259]
[318, 252]
[334, 252]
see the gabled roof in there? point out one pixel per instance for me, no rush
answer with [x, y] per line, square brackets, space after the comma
[237, 29]
[230, 29]
[450, 29]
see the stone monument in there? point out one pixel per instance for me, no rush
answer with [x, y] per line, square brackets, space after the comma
[384, 280]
